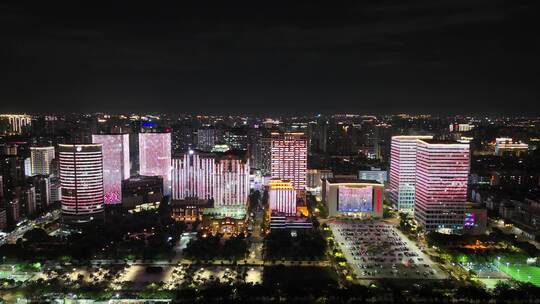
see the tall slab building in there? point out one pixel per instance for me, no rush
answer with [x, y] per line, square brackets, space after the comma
[40, 160]
[155, 157]
[289, 159]
[115, 164]
[442, 171]
[403, 171]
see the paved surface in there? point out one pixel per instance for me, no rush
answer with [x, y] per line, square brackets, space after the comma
[376, 250]
[13, 236]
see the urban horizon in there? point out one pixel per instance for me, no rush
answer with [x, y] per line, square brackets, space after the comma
[267, 152]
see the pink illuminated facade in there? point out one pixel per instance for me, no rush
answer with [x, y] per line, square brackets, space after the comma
[282, 197]
[223, 177]
[442, 171]
[403, 171]
[81, 180]
[155, 157]
[193, 176]
[231, 181]
[115, 164]
[289, 159]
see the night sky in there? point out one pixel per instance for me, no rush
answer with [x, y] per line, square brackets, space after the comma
[271, 57]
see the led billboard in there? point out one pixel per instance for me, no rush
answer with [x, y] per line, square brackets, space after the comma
[351, 199]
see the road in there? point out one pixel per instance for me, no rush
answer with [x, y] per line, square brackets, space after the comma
[13, 236]
[256, 242]
[510, 230]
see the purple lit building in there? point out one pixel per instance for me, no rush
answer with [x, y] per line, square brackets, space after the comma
[115, 164]
[155, 157]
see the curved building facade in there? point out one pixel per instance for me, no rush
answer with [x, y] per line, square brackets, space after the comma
[81, 180]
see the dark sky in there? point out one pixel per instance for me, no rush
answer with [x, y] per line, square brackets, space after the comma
[271, 57]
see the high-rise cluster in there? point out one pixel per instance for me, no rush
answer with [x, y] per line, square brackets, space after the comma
[429, 177]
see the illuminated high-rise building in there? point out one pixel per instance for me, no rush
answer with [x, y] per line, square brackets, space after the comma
[42, 188]
[403, 171]
[81, 181]
[193, 175]
[12, 171]
[282, 197]
[115, 164]
[208, 137]
[231, 179]
[266, 155]
[40, 160]
[155, 157]
[17, 122]
[236, 138]
[27, 167]
[507, 146]
[460, 127]
[289, 159]
[442, 171]
[221, 176]
[30, 200]
[183, 137]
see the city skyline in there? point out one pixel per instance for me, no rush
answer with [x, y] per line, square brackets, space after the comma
[270, 152]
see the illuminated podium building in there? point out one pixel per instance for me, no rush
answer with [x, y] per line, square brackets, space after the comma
[347, 197]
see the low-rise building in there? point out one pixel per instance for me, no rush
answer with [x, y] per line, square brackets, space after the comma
[282, 221]
[376, 174]
[140, 189]
[354, 198]
[227, 226]
[190, 209]
[475, 219]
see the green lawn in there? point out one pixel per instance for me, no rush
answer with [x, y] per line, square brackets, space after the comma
[522, 273]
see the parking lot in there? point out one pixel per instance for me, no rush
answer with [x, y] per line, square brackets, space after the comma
[376, 250]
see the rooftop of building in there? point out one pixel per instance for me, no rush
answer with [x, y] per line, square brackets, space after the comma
[411, 136]
[138, 177]
[193, 201]
[441, 142]
[352, 181]
[233, 153]
[296, 134]
[109, 134]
